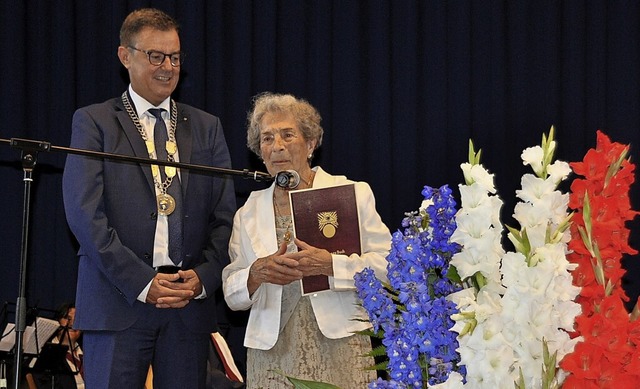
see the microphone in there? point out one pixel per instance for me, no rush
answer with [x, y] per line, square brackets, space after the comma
[287, 179]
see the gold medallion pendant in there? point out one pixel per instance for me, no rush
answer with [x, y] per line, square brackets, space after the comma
[287, 236]
[166, 204]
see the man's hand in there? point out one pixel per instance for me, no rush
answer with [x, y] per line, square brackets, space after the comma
[167, 290]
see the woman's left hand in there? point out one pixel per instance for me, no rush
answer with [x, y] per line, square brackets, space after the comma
[312, 260]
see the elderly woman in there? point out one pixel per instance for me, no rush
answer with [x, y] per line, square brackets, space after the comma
[305, 336]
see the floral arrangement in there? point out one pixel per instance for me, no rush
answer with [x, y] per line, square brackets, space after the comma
[460, 311]
[411, 312]
[547, 314]
[607, 355]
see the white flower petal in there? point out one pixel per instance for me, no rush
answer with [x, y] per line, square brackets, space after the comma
[533, 156]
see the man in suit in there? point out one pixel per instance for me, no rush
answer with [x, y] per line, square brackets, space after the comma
[153, 240]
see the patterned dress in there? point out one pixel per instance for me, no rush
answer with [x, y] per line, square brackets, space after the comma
[302, 351]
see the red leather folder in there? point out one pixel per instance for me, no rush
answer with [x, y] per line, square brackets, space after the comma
[326, 218]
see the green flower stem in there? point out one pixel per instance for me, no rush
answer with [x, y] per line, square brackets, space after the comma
[471, 322]
[547, 152]
[480, 280]
[614, 168]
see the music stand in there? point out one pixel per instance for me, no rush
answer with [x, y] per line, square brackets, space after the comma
[52, 367]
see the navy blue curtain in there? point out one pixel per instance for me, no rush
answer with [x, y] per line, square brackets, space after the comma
[402, 86]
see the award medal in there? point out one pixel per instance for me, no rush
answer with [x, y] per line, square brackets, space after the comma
[165, 202]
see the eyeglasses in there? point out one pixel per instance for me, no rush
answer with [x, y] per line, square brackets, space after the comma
[156, 58]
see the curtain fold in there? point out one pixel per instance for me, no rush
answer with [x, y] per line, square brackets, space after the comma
[401, 85]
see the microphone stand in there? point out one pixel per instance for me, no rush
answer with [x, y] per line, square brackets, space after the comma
[29, 158]
[30, 149]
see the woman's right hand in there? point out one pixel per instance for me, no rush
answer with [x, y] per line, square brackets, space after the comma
[274, 269]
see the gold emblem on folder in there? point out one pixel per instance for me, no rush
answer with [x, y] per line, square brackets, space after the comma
[328, 223]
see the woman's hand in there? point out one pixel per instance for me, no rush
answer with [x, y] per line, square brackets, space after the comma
[274, 269]
[311, 260]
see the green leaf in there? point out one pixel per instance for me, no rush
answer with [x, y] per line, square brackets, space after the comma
[585, 239]
[520, 383]
[369, 332]
[474, 158]
[304, 384]
[586, 215]
[549, 370]
[378, 351]
[562, 227]
[598, 267]
[452, 274]
[472, 153]
[382, 366]
[615, 167]
[479, 280]
[520, 240]
[547, 233]
[548, 151]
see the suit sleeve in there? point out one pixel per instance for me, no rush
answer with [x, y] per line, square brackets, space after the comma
[87, 200]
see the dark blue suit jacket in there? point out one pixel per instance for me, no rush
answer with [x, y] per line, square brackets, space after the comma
[111, 209]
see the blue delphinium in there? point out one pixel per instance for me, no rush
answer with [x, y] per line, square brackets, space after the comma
[412, 312]
[375, 300]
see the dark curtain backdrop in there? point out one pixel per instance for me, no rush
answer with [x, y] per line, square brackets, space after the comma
[402, 86]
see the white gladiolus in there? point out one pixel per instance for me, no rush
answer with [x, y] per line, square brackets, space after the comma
[520, 298]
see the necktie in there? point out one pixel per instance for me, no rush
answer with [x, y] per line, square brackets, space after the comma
[175, 218]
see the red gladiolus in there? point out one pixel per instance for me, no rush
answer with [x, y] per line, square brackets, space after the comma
[608, 356]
